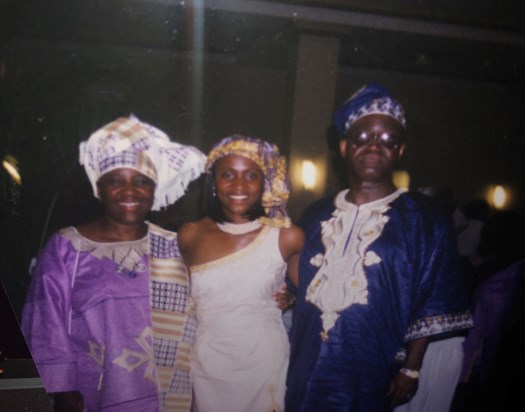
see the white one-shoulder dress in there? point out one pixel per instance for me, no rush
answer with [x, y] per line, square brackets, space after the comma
[240, 355]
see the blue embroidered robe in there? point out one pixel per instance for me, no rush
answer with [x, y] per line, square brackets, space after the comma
[414, 290]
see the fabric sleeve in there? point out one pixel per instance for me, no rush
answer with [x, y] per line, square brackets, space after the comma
[440, 303]
[45, 317]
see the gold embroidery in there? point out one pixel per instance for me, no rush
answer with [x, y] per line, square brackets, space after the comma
[341, 279]
[96, 352]
[125, 254]
[130, 359]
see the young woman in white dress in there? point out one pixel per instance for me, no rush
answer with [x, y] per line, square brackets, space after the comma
[238, 257]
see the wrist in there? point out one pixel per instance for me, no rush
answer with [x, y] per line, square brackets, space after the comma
[411, 373]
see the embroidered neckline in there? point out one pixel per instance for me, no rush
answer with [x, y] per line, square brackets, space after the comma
[343, 204]
[239, 228]
[341, 280]
[127, 255]
[72, 232]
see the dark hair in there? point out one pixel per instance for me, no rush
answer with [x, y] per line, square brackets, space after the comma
[501, 242]
[477, 209]
[503, 235]
[214, 207]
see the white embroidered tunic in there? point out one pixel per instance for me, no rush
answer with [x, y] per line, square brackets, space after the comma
[341, 280]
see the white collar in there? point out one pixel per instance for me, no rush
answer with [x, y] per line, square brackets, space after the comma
[239, 228]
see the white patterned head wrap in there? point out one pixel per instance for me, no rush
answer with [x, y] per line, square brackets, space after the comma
[130, 143]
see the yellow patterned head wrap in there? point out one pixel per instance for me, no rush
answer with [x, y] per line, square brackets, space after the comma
[273, 165]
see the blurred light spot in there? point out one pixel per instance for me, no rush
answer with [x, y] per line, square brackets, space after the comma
[11, 166]
[309, 174]
[499, 197]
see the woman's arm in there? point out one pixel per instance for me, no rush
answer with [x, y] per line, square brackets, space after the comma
[291, 242]
[187, 238]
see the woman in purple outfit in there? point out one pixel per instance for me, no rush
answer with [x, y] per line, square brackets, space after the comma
[106, 315]
[497, 299]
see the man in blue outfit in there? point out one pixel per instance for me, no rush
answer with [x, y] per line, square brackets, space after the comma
[378, 273]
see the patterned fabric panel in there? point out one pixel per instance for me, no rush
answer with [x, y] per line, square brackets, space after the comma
[169, 296]
[173, 327]
[164, 248]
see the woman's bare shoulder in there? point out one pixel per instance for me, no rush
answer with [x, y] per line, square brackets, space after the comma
[291, 240]
[293, 234]
[190, 231]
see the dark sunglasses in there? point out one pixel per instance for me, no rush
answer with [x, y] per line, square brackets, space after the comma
[387, 140]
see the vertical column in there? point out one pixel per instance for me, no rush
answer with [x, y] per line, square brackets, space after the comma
[313, 106]
[196, 23]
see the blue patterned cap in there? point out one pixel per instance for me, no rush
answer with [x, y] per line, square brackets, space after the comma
[369, 99]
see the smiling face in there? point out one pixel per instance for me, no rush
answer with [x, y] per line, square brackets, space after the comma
[372, 148]
[238, 186]
[126, 196]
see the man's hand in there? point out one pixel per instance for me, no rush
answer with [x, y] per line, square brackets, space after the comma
[404, 386]
[283, 297]
[402, 389]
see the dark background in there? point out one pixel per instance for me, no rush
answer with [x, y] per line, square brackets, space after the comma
[201, 70]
